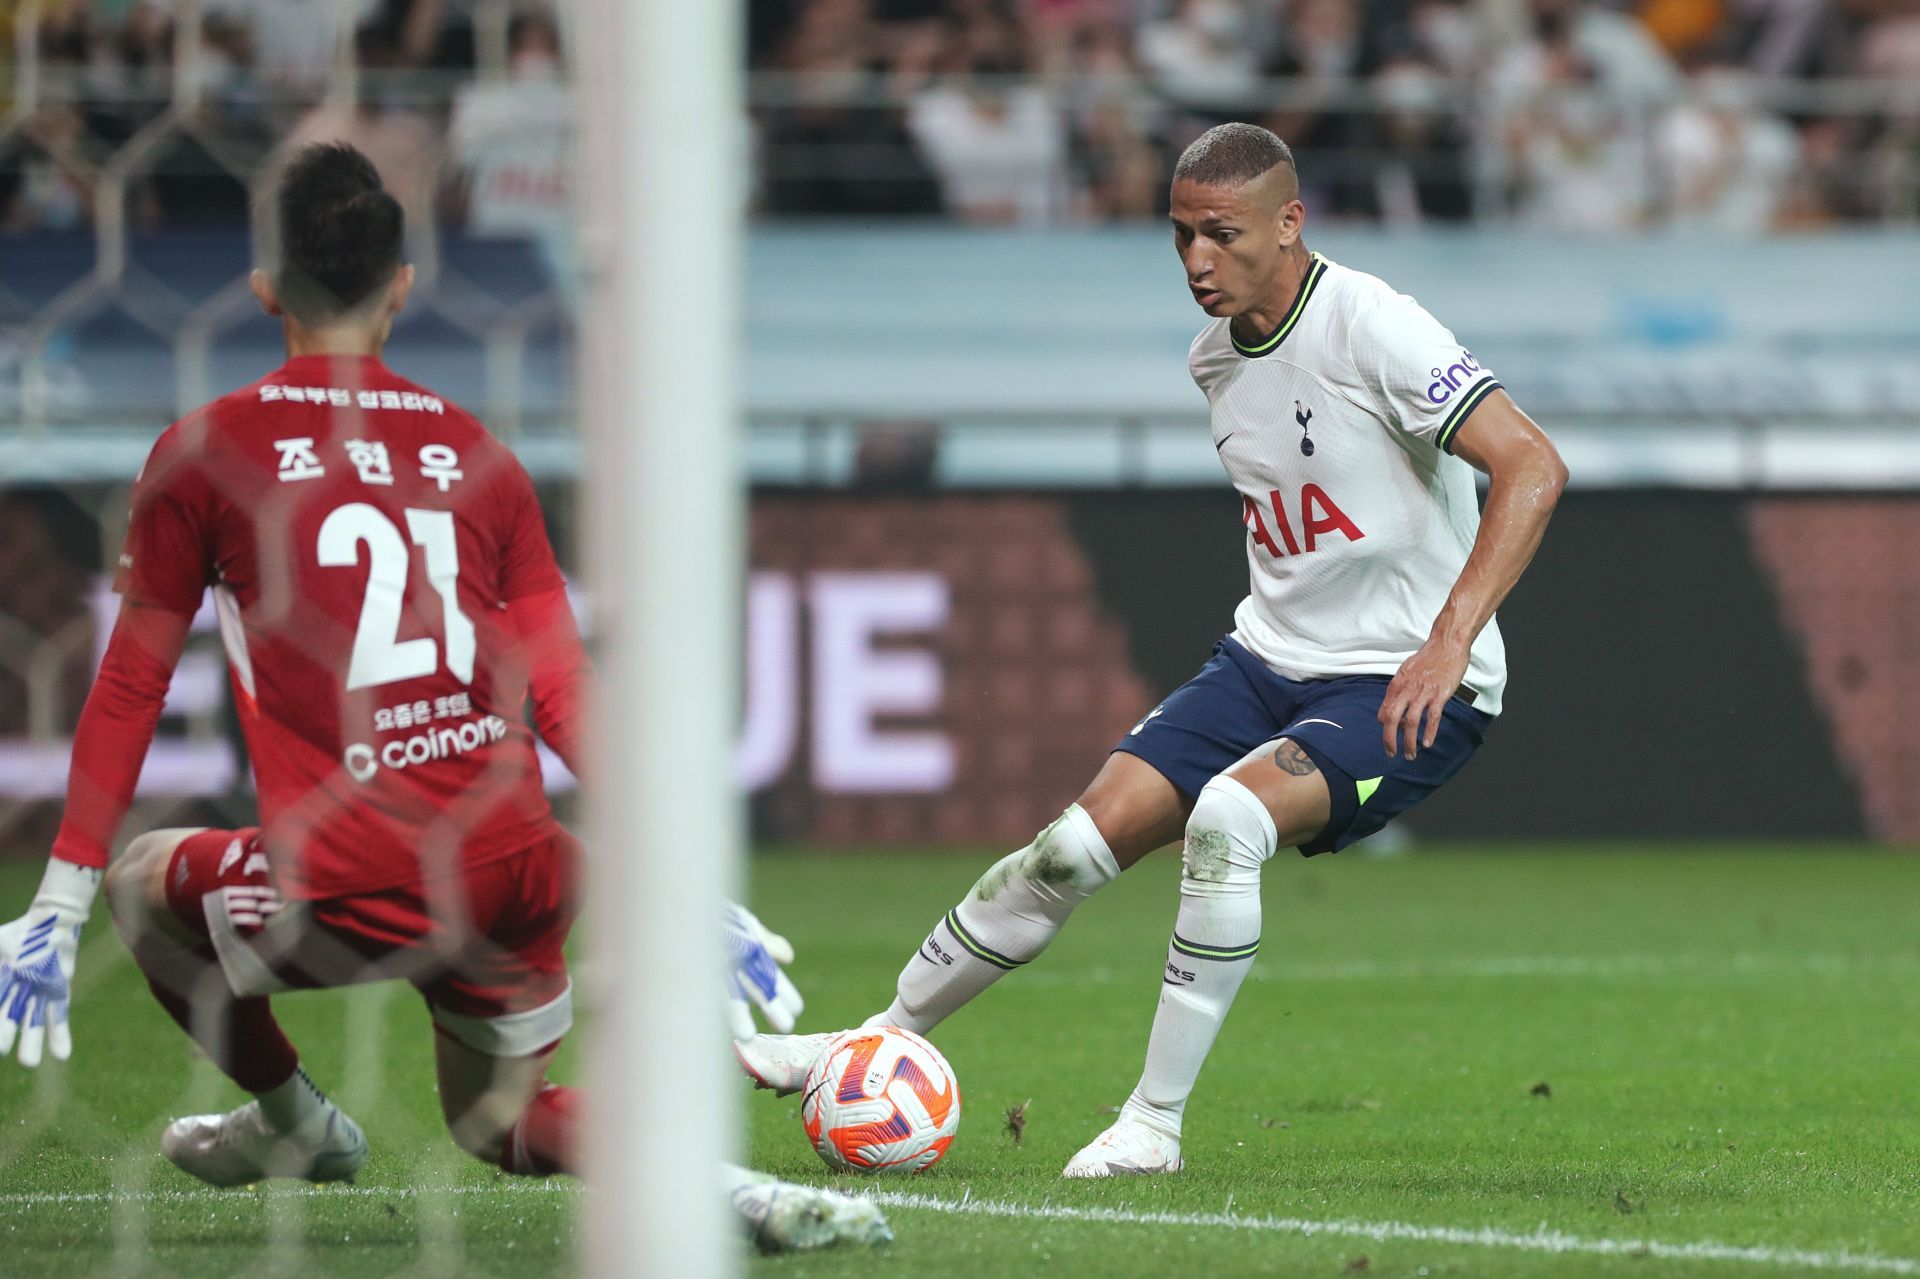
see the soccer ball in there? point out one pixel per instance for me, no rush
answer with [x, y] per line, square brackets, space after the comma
[880, 1099]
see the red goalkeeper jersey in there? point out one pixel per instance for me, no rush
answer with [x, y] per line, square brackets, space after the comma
[375, 556]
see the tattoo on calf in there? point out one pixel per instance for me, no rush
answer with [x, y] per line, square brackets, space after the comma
[1292, 759]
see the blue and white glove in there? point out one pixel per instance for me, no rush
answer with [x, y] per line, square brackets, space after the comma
[754, 977]
[37, 953]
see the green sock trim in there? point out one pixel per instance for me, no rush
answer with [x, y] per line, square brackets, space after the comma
[975, 948]
[1222, 953]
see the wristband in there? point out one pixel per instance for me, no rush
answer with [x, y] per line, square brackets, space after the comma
[68, 887]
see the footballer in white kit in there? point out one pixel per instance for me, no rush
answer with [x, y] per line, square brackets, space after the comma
[1334, 429]
[1364, 667]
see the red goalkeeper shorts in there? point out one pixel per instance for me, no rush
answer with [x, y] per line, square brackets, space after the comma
[485, 950]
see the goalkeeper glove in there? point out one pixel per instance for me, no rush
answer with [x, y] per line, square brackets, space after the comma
[754, 977]
[37, 954]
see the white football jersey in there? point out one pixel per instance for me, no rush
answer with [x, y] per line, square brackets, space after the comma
[1336, 428]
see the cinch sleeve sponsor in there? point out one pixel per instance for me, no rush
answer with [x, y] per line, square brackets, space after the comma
[1427, 383]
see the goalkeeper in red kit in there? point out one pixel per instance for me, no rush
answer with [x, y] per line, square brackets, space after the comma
[389, 602]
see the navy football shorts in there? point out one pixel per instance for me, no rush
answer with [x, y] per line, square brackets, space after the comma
[1236, 703]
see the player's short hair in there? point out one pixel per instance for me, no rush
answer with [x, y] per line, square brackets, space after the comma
[341, 235]
[1231, 155]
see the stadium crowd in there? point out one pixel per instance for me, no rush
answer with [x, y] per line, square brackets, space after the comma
[1572, 114]
[453, 136]
[1739, 116]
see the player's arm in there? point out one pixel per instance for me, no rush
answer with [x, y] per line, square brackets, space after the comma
[116, 728]
[559, 676]
[38, 950]
[1525, 478]
[162, 580]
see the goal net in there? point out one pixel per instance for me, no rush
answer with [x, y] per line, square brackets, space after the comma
[537, 148]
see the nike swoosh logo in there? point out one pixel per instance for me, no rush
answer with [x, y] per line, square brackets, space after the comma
[1303, 723]
[1222, 441]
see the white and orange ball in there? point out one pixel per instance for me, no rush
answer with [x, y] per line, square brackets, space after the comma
[880, 1099]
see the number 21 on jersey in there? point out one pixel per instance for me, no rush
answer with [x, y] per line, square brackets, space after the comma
[380, 656]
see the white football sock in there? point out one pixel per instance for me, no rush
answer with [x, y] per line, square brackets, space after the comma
[734, 1178]
[297, 1107]
[1215, 937]
[1007, 919]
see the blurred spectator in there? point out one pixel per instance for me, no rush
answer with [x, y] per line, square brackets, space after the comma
[109, 61]
[1421, 169]
[1890, 51]
[1118, 164]
[51, 185]
[877, 107]
[1614, 52]
[1573, 155]
[44, 584]
[770, 24]
[1452, 35]
[403, 144]
[64, 33]
[1057, 31]
[1322, 55]
[1832, 181]
[1574, 104]
[839, 158]
[1203, 55]
[294, 42]
[838, 143]
[832, 37]
[998, 145]
[1778, 37]
[225, 70]
[514, 138]
[420, 33]
[1728, 166]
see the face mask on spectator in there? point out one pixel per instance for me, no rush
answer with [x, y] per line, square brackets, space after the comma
[535, 65]
[1449, 32]
[1218, 20]
[1583, 114]
[1409, 90]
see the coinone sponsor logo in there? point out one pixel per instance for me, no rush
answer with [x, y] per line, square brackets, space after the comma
[1452, 378]
[363, 761]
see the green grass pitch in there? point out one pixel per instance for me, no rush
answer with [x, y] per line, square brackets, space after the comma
[1567, 1050]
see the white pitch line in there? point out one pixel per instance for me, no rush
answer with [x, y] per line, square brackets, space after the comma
[1737, 964]
[1600, 966]
[79, 1198]
[1540, 1240]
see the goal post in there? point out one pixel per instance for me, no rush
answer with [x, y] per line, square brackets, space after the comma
[661, 114]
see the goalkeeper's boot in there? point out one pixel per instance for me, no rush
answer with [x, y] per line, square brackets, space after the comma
[780, 1062]
[1129, 1148]
[783, 1217]
[241, 1147]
